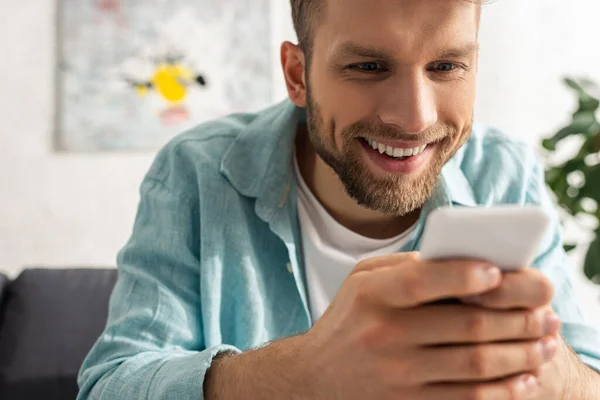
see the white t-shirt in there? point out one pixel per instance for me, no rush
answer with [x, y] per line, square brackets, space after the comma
[331, 251]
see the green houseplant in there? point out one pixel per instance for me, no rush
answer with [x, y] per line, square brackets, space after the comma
[576, 181]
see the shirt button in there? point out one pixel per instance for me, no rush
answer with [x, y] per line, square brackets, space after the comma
[289, 268]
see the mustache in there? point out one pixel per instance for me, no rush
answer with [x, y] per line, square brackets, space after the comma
[383, 131]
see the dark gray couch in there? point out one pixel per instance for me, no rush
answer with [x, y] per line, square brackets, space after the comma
[49, 320]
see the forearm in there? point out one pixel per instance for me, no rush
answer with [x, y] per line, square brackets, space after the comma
[271, 372]
[585, 382]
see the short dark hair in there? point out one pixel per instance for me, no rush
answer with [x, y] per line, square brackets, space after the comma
[306, 15]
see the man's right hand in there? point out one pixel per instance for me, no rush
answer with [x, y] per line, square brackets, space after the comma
[382, 338]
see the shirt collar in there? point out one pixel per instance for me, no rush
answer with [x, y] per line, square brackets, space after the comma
[259, 162]
[454, 186]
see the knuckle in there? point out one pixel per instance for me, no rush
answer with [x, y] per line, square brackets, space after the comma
[478, 362]
[414, 286]
[362, 289]
[395, 374]
[364, 265]
[405, 373]
[476, 325]
[361, 265]
[372, 334]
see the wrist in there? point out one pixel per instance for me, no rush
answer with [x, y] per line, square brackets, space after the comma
[277, 370]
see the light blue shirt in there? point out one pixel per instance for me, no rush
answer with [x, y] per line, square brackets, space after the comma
[214, 261]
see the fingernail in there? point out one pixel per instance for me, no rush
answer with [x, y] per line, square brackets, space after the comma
[549, 347]
[529, 383]
[551, 323]
[491, 275]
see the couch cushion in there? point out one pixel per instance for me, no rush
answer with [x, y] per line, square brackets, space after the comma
[51, 320]
[4, 281]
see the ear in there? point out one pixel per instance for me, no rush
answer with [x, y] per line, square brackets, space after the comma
[292, 62]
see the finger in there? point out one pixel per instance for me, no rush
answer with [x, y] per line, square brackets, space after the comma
[418, 282]
[387, 260]
[464, 324]
[528, 288]
[520, 387]
[475, 363]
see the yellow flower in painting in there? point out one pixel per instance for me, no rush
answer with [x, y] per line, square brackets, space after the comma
[171, 80]
[170, 83]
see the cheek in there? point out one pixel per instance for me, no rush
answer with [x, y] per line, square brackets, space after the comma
[456, 102]
[340, 105]
[455, 105]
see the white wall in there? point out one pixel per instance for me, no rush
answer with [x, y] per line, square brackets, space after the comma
[62, 209]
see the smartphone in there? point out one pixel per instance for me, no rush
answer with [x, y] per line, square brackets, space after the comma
[507, 236]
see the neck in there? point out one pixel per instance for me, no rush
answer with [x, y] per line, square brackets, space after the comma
[326, 186]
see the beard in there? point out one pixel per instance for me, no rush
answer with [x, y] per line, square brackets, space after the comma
[390, 194]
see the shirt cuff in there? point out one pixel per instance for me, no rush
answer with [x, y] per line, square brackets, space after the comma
[182, 378]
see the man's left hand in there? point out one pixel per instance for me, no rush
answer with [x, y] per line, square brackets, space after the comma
[530, 289]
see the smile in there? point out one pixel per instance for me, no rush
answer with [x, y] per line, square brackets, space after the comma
[396, 152]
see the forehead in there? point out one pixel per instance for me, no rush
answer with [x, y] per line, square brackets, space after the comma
[410, 24]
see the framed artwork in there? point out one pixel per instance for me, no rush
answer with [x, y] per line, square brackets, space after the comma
[134, 73]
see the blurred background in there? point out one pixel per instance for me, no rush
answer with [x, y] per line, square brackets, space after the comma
[72, 206]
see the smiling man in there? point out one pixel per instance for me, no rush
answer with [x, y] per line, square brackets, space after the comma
[274, 255]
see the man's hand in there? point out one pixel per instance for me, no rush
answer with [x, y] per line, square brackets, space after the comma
[382, 338]
[560, 379]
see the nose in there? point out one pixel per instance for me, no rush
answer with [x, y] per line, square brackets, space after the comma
[410, 104]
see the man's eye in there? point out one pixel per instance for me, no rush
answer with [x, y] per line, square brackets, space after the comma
[445, 67]
[367, 67]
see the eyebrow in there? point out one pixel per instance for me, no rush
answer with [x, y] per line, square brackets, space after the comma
[353, 49]
[356, 50]
[460, 52]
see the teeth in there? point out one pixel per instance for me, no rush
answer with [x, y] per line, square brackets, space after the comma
[395, 152]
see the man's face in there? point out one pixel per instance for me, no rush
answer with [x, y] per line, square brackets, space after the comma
[400, 73]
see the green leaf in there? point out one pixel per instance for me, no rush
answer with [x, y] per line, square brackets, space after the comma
[574, 85]
[591, 144]
[592, 186]
[549, 144]
[588, 103]
[575, 164]
[581, 86]
[569, 247]
[553, 174]
[582, 122]
[591, 266]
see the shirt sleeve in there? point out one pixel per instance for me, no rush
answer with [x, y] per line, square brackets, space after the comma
[552, 260]
[152, 347]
